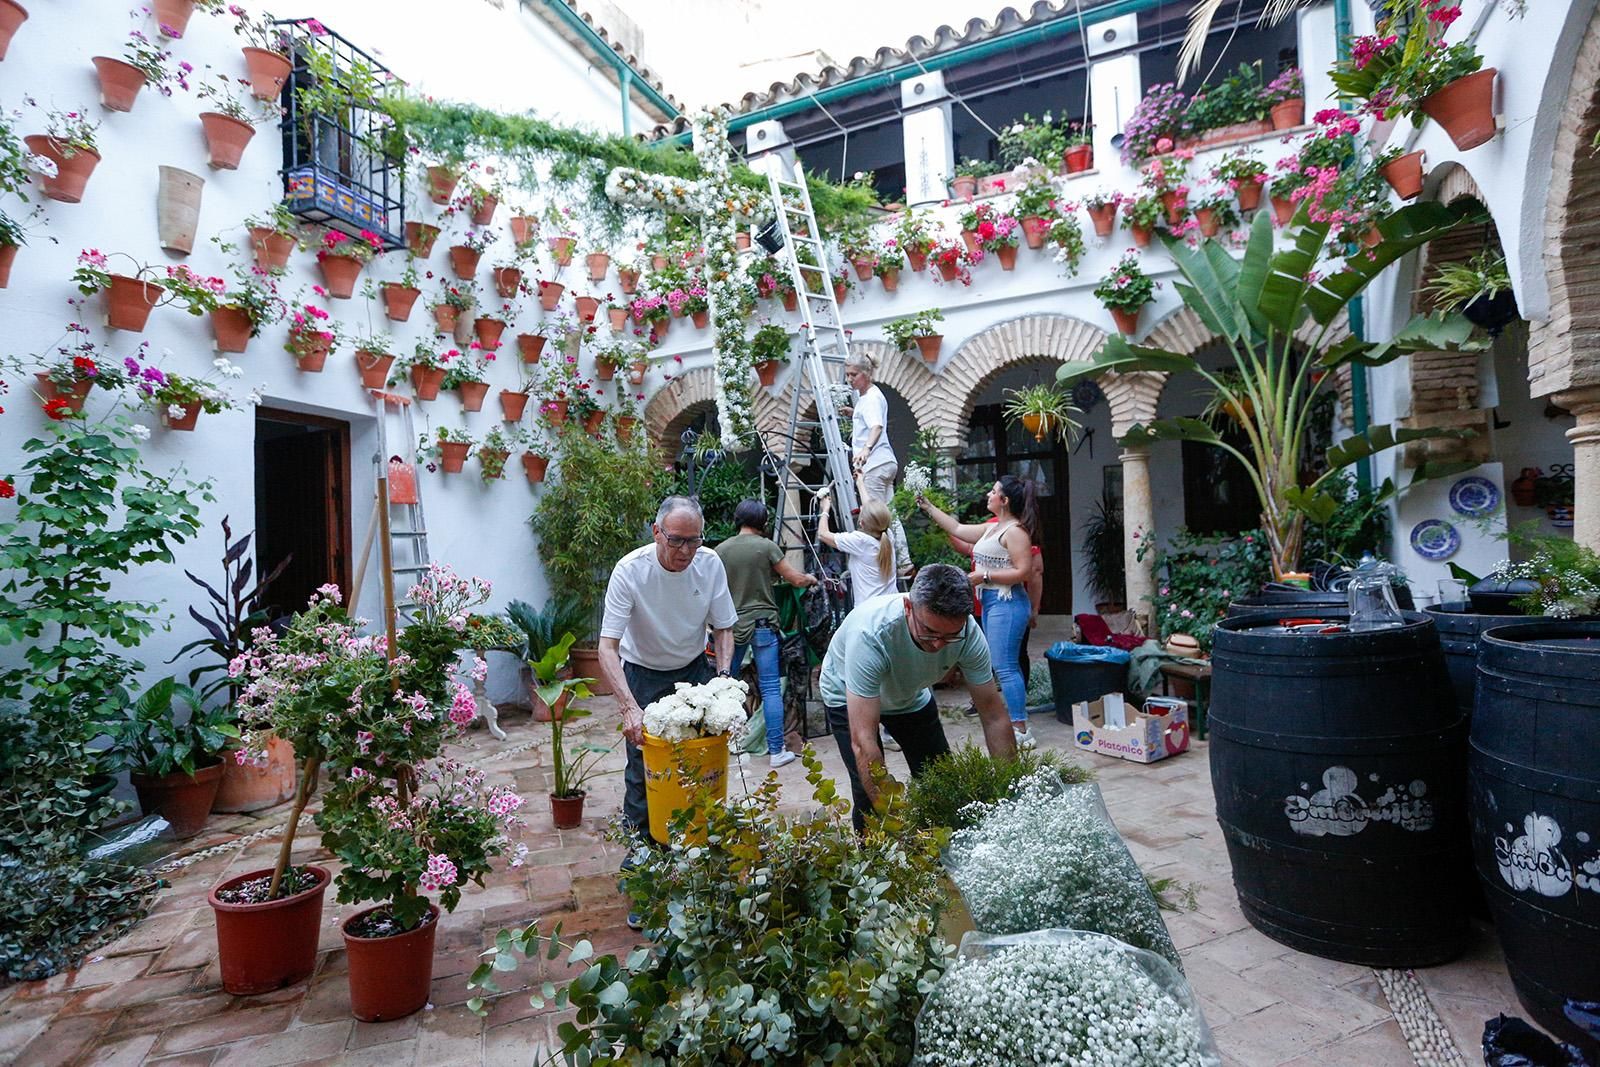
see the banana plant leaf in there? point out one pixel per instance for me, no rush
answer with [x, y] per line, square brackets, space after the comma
[1171, 430]
[1118, 355]
[1212, 286]
[1381, 438]
[1403, 231]
[1424, 333]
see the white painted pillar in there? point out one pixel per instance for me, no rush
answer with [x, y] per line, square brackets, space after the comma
[1319, 51]
[1113, 94]
[929, 147]
[1585, 437]
[768, 150]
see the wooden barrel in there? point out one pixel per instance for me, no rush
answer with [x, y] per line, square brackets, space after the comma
[1535, 811]
[1304, 601]
[1458, 637]
[1339, 764]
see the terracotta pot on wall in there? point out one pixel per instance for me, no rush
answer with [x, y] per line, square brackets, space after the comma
[420, 237]
[1079, 158]
[464, 261]
[172, 13]
[72, 171]
[74, 396]
[702, 319]
[604, 372]
[473, 395]
[1104, 219]
[1007, 255]
[374, 368]
[1282, 210]
[1207, 218]
[339, 273]
[310, 352]
[453, 456]
[266, 946]
[918, 261]
[637, 370]
[587, 307]
[184, 800]
[890, 279]
[929, 346]
[178, 209]
[445, 317]
[1173, 203]
[12, 15]
[960, 188]
[248, 787]
[593, 421]
[791, 302]
[441, 184]
[488, 331]
[863, 266]
[506, 280]
[119, 83]
[534, 467]
[949, 271]
[8, 256]
[1404, 175]
[629, 280]
[1249, 194]
[530, 345]
[618, 318]
[268, 71]
[550, 294]
[425, 382]
[658, 262]
[1127, 321]
[513, 404]
[398, 300]
[186, 421]
[561, 250]
[522, 229]
[598, 263]
[226, 139]
[1465, 108]
[625, 425]
[1034, 229]
[767, 372]
[390, 976]
[129, 301]
[232, 326]
[1142, 235]
[483, 215]
[1289, 114]
[271, 248]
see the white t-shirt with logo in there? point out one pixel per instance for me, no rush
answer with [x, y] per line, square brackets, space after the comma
[660, 616]
[872, 409]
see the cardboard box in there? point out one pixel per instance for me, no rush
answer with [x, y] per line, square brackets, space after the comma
[1159, 731]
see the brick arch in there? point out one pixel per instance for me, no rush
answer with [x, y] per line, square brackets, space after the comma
[905, 375]
[676, 404]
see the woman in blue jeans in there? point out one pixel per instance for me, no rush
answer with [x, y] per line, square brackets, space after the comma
[753, 563]
[1002, 562]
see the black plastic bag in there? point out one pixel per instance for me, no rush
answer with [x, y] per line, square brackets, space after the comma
[1510, 1042]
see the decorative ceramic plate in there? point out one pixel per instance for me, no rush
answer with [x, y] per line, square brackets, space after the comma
[1474, 496]
[1435, 539]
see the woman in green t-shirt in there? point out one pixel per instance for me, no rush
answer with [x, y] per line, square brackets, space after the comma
[752, 560]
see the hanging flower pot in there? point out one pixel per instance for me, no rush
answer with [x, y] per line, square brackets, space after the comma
[1007, 255]
[1104, 218]
[178, 209]
[625, 425]
[172, 15]
[1282, 210]
[929, 346]
[534, 467]
[453, 455]
[420, 237]
[483, 214]
[767, 372]
[8, 256]
[232, 327]
[587, 307]
[556, 411]
[472, 395]
[488, 331]
[1289, 113]
[702, 319]
[561, 250]
[310, 349]
[464, 261]
[1079, 158]
[949, 271]
[1207, 218]
[398, 300]
[425, 382]
[522, 229]
[270, 248]
[129, 301]
[441, 184]
[226, 139]
[629, 280]
[1034, 424]
[598, 263]
[506, 280]
[390, 976]
[1523, 490]
[863, 266]
[593, 421]
[184, 800]
[1034, 229]
[74, 396]
[918, 261]
[566, 813]
[970, 239]
[266, 946]
[1465, 108]
[513, 404]
[550, 294]
[73, 167]
[1173, 202]
[963, 187]
[1493, 313]
[618, 318]
[339, 273]
[791, 302]
[186, 421]
[268, 71]
[119, 83]
[1127, 321]
[374, 367]
[530, 345]
[1404, 175]
[741, 240]
[891, 279]
[1142, 234]
[637, 370]
[1249, 194]
[445, 317]
[12, 15]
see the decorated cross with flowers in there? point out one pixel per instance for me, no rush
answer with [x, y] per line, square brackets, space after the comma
[717, 203]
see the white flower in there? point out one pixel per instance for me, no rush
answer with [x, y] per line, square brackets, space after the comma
[140, 431]
[43, 165]
[917, 478]
[175, 411]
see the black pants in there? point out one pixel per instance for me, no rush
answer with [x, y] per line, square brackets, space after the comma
[919, 733]
[648, 686]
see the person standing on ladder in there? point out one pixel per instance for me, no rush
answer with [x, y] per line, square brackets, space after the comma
[871, 455]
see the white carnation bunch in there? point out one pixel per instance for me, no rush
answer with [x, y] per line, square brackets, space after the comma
[917, 478]
[691, 711]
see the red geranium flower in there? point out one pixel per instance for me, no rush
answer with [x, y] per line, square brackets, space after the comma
[7, 490]
[58, 408]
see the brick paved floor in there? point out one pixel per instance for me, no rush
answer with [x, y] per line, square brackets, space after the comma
[154, 996]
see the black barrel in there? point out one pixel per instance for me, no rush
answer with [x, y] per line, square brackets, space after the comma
[1458, 636]
[1339, 767]
[1304, 601]
[1535, 810]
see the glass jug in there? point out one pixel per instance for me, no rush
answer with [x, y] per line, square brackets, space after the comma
[1371, 596]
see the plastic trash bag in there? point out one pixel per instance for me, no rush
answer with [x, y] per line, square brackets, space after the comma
[1023, 999]
[1068, 652]
[138, 844]
[1048, 857]
[1510, 1042]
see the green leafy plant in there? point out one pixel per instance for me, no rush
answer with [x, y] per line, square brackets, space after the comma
[770, 344]
[1144, 212]
[1236, 98]
[1200, 576]
[1455, 285]
[1025, 139]
[1567, 573]
[1036, 198]
[1393, 70]
[719, 486]
[1104, 558]
[902, 332]
[569, 770]
[1126, 287]
[152, 741]
[976, 168]
[1047, 408]
[543, 628]
[937, 797]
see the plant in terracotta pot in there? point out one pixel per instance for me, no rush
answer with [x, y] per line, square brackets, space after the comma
[769, 350]
[273, 236]
[1141, 215]
[560, 229]
[1401, 169]
[994, 232]
[175, 765]
[199, 294]
[1285, 98]
[1065, 236]
[401, 294]
[454, 300]
[1243, 172]
[313, 332]
[143, 63]
[964, 183]
[1077, 147]
[246, 306]
[468, 373]
[67, 152]
[341, 258]
[469, 250]
[1102, 207]
[1125, 290]
[569, 770]
[129, 297]
[64, 384]
[229, 128]
[179, 399]
[1035, 206]
[541, 631]
[1157, 122]
[916, 235]
[920, 329]
[1166, 178]
[1043, 410]
[952, 262]
[494, 450]
[1214, 212]
[1028, 142]
[887, 263]
[266, 51]
[446, 449]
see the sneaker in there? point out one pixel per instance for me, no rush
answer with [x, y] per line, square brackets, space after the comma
[634, 922]
[1025, 740]
[782, 759]
[889, 743]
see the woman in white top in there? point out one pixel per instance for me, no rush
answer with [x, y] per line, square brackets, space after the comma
[871, 456]
[1002, 561]
[869, 549]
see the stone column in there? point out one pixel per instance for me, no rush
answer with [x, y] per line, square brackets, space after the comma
[1138, 525]
[1585, 437]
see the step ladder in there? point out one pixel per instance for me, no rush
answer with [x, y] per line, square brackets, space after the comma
[397, 519]
[824, 348]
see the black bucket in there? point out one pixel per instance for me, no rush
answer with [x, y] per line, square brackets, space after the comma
[1535, 809]
[1072, 681]
[1304, 601]
[1339, 764]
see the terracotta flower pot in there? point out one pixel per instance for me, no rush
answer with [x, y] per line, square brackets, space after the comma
[8, 256]
[178, 195]
[587, 307]
[593, 421]
[1127, 321]
[1524, 490]
[534, 467]
[522, 229]
[741, 240]
[658, 330]
[339, 273]
[226, 139]
[1249, 194]
[604, 371]
[637, 371]
[266, 946]
[488, 331]
[184, 800]
[556, 411]
[702, 319]
[530, 345]
[445, 317]
[1371, 238]
[251, 787]
[1142, 235]
[791, 302]
[629, 280]
[483, 214]
[1034, 229]
[442, 184]
[129, 301]
[949, 271]
[270, 248]
[1173, 203]
[1289, 114]
[1404, 175]
[561, 250]
[1079, 158]
[506, 280]
[625, 425]
[398, 300]
[74, 396]
[310, 351]
[12, 15]
[618, 318]
[513, 404]
[929, 346]
[232, 327]
[1465, 108]
[1207, 217]
[598, 263]
[267, 70]
[420, 237]
[839, 293]
[453, 456]
[1104, 218]
[890, 279]
[586, 664]
[390, 976]
[658, 262]
[72, 170]
[970, 239]
[473, 395]
[1007, 255]
[566, 813]
[464, 261]
[1282, 210]
[917, 260]
[186, 421]
[767, 372]
[550, 294]
[961, 188]
[172, 14]
[119, 83]
[374, 368]
[425, 382]
[863, 266]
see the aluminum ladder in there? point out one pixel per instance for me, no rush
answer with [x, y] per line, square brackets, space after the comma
[397, 519]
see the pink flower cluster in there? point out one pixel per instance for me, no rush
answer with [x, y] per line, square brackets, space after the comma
[441, 873]
[463, 705]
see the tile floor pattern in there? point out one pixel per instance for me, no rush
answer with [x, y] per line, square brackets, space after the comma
[154, 997]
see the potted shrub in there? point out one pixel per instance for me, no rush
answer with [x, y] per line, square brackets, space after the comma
[493, 451]
[174, 767]
[230, 127]
[1245, 174]
[129, 297]
[965, 183]
[1285, 97]
[1043, 410]
[920, 329]
[1066, 237]
[1141, 216]
[987, 229]
[68, 143]
[1165, 178]
[916, 237]
[769, 350]
[453, 301]
[1104, 556]
[1229, 109]
[569, 770]
[1124, 291]
[273, 236]
[1030, 143]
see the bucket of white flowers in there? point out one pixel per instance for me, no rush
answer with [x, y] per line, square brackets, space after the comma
[686, 738]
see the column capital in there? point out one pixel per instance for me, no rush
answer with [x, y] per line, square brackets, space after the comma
[1585, 407]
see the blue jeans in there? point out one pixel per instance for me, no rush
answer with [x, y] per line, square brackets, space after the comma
[768, 673]
[1005, 623]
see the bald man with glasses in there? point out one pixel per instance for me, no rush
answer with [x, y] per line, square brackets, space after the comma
[881, 665]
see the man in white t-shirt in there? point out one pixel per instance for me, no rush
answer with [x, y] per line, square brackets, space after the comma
[659, 603]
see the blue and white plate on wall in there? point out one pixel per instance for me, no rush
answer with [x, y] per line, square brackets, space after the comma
[1474, 496]
[1435, 539]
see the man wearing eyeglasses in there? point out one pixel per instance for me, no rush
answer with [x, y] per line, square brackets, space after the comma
[659, 603]
[881, 664]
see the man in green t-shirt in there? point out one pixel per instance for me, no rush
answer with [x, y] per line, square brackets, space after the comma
[881, 664]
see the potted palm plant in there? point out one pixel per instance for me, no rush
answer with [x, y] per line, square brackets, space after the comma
[174, 766]
[569, 770]
[1043, 410]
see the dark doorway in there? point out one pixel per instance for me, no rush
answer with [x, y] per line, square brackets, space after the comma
[302, 504]
[993, 449]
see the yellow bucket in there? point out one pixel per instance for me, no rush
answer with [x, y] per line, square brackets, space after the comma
[666, 792]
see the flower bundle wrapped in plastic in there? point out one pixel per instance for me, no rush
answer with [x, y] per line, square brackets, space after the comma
[1061, 996]
[716, 707]
[1049, 857]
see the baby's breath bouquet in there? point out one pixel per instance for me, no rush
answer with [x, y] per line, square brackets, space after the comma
[690, 711]
[1048, 857]
[1061, 996]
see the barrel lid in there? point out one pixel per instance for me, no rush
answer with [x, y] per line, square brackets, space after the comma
[1568, 636]
[1307, 621]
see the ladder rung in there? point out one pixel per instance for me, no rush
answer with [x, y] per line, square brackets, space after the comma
[411, 570]
[408, 533]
